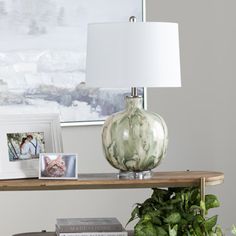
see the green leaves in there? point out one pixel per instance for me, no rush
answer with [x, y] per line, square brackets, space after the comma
[134, 214]
[173, 218]
[173, 231]
[211, 201]
[233, 231]
[176, 212]
[210, 223]
[144, 229]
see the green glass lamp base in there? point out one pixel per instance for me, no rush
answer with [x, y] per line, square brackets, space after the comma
[134, 140]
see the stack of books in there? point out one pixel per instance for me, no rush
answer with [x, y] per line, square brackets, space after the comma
[89, 227]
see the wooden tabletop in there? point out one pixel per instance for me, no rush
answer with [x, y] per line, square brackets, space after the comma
[111, 181]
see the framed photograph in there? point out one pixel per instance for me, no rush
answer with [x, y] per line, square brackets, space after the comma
[57, 166]
[22, 138]
[43, 52]
[25, 146]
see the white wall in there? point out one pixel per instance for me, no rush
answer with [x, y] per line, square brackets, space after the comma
[200, 117]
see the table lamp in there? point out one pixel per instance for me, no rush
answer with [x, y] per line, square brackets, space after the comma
[133, 54]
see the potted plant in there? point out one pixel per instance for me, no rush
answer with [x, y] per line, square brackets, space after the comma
[176, 212]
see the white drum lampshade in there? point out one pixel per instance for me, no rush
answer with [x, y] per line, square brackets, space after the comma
[122, 55]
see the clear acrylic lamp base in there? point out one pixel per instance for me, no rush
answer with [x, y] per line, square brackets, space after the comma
[134, 140]
[135, 175]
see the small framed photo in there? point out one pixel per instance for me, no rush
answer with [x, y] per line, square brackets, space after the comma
[57, 166]
[22, 138]
[25, 146]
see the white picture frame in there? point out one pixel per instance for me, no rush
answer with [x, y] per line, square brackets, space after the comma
[48, 124]
[69, 162]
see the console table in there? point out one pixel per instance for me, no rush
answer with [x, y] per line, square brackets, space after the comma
[111, 181]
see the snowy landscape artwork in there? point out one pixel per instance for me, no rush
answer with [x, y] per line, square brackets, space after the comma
[43, 53]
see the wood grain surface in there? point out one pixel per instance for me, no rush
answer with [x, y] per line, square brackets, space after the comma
[111, 181]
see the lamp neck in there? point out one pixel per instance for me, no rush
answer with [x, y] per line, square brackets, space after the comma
[132, 103]
[134, 92]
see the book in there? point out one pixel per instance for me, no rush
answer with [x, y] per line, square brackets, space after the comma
[122, 233]
[79, 225]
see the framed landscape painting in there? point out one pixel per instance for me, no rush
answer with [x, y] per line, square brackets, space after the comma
[43, 54]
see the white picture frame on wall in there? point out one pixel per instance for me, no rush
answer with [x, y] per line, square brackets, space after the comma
[22, 138]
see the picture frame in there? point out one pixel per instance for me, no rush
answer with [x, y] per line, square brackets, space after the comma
[46, 54]
[15, 129]
[61, 166]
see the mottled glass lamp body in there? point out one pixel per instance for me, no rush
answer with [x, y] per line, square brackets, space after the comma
[134, 140]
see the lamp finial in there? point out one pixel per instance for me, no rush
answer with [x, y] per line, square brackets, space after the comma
[132, 19]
